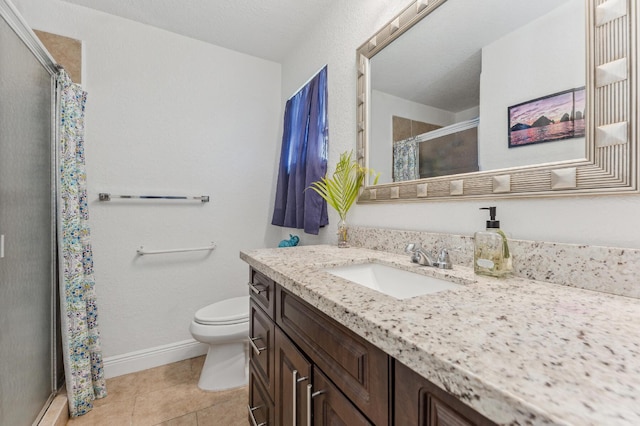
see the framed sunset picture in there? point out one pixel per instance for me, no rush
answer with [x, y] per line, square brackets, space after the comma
[550, 118]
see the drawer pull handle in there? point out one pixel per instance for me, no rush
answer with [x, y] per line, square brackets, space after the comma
[253, 418]
[257, 350]
[295, 382]
[310, 396]
[255, 289]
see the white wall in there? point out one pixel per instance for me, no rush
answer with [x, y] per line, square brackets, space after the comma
[334, 42]
[544, 57]
[383, 107]
[602, 220]
[167, 115]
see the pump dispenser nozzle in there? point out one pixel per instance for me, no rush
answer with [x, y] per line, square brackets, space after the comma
[493, 223]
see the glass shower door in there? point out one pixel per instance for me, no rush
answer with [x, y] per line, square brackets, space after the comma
[27, 377]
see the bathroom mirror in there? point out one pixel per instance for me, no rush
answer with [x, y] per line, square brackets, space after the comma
[501, 98]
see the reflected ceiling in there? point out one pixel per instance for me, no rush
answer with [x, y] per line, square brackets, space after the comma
[419, 68]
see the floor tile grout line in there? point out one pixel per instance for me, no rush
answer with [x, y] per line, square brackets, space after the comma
[161, 380]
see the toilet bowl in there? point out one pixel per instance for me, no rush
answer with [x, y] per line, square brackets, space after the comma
[224, 326]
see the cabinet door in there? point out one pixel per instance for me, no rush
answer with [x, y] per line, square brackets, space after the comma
[261, 410]
[293, 375]
[421, 403]
[359, 369]
[262, 342]
[331, 407]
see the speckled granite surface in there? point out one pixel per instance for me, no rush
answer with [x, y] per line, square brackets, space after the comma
[517, 350]
[606, 269]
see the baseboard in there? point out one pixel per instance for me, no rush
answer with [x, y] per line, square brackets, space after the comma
[153, 357]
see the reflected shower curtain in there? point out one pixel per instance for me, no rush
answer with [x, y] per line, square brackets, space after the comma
[84, 373]
[406, 160]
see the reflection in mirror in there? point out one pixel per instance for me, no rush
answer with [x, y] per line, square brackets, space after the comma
[441, 93]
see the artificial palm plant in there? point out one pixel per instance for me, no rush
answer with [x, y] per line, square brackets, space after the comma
[342, 189]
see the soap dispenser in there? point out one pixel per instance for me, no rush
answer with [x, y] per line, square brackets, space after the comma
[491, 254]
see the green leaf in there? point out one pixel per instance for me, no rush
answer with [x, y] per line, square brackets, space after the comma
[341, 190]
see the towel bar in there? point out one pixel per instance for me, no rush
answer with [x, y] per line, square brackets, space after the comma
[141, 251]
[105, 196]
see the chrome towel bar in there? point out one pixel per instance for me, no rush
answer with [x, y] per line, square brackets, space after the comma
[105, 196]
[141, 251]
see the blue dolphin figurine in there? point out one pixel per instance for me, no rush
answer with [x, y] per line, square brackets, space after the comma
[292, 242]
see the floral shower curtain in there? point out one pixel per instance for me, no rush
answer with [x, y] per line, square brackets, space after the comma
[84, 373]
[406, 160]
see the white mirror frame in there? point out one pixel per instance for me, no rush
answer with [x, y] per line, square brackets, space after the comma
[611, 163]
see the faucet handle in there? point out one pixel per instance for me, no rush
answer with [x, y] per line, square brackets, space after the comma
[414, 250]
[419, 256]
[411, 248]
[444, 261]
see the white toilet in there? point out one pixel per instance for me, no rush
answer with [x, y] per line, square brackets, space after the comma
[224, 326]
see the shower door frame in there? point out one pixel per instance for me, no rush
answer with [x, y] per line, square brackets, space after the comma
[11, 15]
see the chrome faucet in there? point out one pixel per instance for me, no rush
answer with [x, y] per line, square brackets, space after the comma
[421, 257]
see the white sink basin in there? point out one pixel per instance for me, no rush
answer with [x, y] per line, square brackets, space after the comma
[391, 281]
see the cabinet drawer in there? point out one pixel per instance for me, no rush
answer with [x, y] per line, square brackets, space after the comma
[261, 409]
[262, 291]
[262, 346]
[419, 402]
[331, 407]
[356, 367]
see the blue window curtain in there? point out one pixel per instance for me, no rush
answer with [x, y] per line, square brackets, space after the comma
[303, 158]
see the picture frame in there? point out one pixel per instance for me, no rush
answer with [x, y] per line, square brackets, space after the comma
[550, 118]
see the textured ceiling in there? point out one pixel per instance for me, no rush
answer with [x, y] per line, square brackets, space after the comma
[267, 28]
[410, 68]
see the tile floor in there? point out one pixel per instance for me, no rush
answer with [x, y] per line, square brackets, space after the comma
[166, 396]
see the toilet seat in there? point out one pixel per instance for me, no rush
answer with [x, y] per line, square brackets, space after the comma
[226, 312]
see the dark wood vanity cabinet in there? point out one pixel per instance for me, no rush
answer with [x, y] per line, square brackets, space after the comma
[294, 375]
[262, 291]
[305, 394]
[261, 406]
[311, 368]
[332, 407]
[307, 369]
[262, 349]
[262, 346]
[359, 369]
[421, 403]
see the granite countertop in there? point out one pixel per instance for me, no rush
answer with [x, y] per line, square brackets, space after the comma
[518, 351]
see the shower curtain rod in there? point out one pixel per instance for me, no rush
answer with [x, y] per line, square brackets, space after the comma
[103, 196]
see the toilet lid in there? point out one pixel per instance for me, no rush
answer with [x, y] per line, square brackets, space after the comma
[225, 312]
